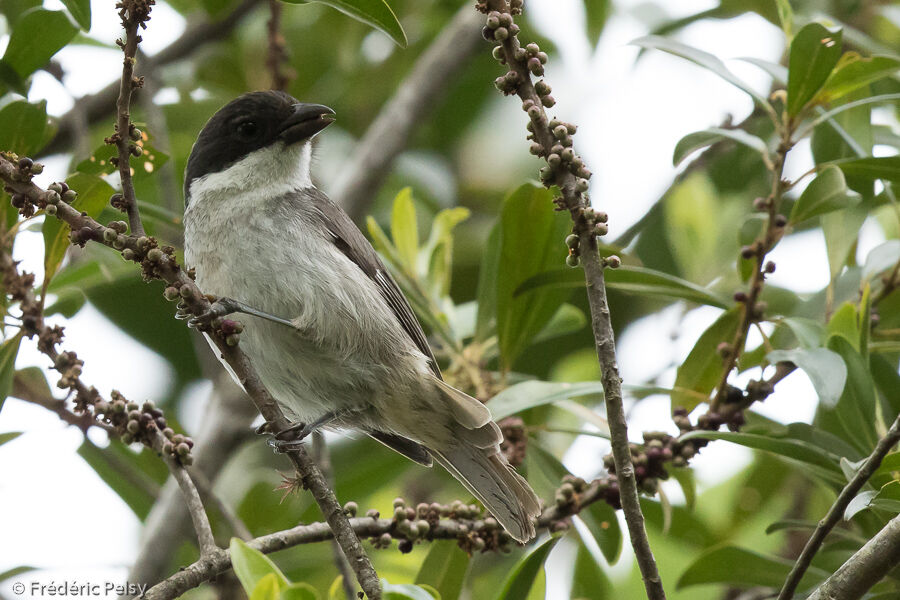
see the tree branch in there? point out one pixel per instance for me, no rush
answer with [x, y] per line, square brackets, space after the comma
[836, 512]
[868, 566]
[473, 532]
[388, 134]
[134, 15]
[225, 425]
[552, 141]
[93, 108]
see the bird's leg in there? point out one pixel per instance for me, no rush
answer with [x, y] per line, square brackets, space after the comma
[226, 306]
[291, 437]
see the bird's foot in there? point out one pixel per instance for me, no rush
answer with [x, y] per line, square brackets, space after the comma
[292, 437]
[219, 308]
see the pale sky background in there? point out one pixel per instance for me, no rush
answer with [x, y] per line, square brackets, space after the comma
[48, 495]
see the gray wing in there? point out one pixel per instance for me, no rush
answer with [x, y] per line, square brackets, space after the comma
[353, 244]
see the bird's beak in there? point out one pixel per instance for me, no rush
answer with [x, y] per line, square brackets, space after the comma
[306, 121]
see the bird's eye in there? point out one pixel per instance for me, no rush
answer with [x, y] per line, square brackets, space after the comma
[247, 129]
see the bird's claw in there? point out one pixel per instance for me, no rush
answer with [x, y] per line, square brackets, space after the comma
[218, 309]
[290, 438]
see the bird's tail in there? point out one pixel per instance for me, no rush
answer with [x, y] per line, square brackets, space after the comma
[473, 457]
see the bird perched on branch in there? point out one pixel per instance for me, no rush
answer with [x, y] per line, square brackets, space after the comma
[329, 332]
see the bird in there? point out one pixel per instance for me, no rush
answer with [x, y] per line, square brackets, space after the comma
[326, 327]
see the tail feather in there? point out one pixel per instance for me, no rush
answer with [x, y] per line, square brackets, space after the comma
[487, 475]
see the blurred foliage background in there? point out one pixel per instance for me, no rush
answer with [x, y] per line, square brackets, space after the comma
[482, 258]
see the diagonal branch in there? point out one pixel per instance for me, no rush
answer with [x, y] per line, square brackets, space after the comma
[836, 512]
[92, 109]
[878, 557]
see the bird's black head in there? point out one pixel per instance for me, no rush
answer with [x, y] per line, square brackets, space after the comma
[248, 123]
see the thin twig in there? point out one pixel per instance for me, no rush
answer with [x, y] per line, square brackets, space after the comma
[836, 512]
[568, 173]
[96, 107]
[23, 391]
[196, 509]
[751, 309]
[134, 15]
[277, 55]
[323, 458]
[209, 496]
[416, 97]
[224, 427]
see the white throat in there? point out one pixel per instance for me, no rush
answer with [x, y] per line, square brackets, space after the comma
[264, 173]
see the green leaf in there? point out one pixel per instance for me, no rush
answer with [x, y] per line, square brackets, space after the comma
[523, 575]
[827, 115]
[8, 353]
[10, 573]
[93, 195]
[814, 53]
[825, 369]
[845, 323]
[486, 319]
[589, 580]
[374, 13]
[703, 59]
[808, 332]
[793, 449]
[701, 370]
[135, 477]
[886, 498]
[37, 36]
[853, 418]
[444, 569]
[872, 167]
[881, 258]
[530, 394]
[81, 11]
[600, 519]
[23, 127]
[297, 591]
[5, 437]
[531, 242]
[633, 280]
[853, 72]
[826, 193]
[738, 566]
[568, 319]
[404, 230]
[405, 591]
[596, 13]
[701, 139]
[688, 484]
[437, 253]
[267, 588]
[841, 229]
[251, 566]
[785, 16]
